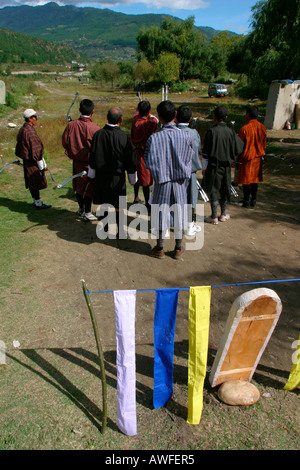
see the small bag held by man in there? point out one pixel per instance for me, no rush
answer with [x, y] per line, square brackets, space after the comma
[42, 164]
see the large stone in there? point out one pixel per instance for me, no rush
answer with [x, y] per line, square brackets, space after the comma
[2, 92]
[248, 329]
[238, 392]
[297, 115]
[282, 99]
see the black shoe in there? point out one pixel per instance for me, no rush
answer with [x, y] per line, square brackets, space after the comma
[178, 253]
[42, 206]
[253, 203]
[243, 204]
[157, 253]
[137, 201]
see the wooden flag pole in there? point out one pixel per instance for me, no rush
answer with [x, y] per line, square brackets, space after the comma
[100, 355]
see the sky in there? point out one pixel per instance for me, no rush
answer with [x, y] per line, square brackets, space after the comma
[232, 15]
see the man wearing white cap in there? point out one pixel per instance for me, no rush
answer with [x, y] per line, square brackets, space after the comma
[30, 149]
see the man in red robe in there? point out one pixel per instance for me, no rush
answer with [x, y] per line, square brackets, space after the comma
[30, 149]
[76, 140]
[143, 125]
[254, 136]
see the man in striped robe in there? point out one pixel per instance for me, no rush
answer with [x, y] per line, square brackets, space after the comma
[254, 136]
[168, 156]
[30, 149]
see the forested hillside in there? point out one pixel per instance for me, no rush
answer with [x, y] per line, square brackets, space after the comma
[20, 48]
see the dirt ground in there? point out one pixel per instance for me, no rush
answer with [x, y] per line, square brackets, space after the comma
[255, 245]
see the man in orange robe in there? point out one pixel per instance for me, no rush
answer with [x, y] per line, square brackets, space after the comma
[254, 136]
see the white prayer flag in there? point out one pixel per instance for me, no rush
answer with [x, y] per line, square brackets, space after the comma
[125, 302]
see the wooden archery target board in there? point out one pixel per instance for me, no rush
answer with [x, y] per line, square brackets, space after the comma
[250, 324]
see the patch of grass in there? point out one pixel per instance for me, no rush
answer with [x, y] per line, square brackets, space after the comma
[60, 408]
[282, 161]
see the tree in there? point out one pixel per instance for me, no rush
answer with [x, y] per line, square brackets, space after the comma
[195, 58]
[167, 67]
[111, 71]
[239, 56]
[105, 71]
[179, 38]
[97, 72]
[144, 70]
[275, 39]
[149, 43]
[127, 68]
[219, 49]
[272, 47]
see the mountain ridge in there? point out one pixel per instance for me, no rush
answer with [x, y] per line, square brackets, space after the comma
[90, 31]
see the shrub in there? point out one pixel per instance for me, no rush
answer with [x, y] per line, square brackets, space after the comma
[180, 87]
[11, 100]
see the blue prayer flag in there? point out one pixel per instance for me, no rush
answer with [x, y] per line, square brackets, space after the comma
[164, 332]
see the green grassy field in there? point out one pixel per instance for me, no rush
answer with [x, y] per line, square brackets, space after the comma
[50, 390]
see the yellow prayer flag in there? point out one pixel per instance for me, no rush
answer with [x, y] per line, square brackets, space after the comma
[294, 378]
[199, 312]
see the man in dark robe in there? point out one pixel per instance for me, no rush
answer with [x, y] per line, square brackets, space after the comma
[30, 149]
[112, 155]
[221, 147]
[183, 118]
[76, 140]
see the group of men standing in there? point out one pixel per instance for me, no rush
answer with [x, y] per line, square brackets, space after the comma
[167, 160]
